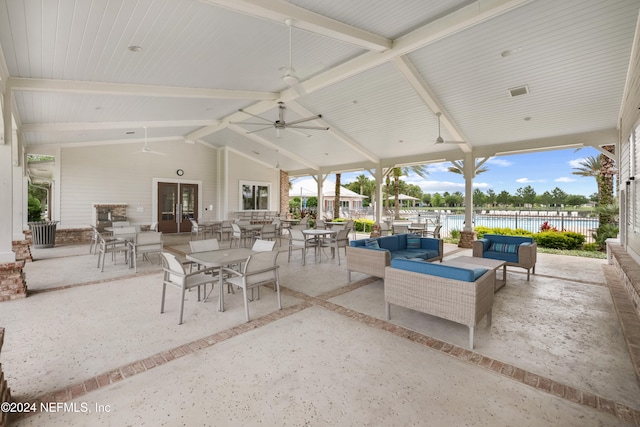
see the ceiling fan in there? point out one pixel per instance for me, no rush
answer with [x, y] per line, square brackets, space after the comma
[289, 75]
[281, 124]
[145, 148]
[439, 139]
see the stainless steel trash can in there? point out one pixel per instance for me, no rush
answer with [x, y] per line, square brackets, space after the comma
[43, 233]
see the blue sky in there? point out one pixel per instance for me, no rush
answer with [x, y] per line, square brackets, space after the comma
[543, 171]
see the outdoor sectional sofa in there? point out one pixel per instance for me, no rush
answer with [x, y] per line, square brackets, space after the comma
[371, 256]
[517, 251]
[462, 295]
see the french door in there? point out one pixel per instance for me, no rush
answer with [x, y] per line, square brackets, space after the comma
[177, 204]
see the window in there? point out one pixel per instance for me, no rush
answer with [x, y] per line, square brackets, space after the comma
[254, 195]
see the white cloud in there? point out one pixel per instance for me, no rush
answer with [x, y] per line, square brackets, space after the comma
[499, 162]
[524, 180]
[576, 163]
[564, 179]
[438, 167]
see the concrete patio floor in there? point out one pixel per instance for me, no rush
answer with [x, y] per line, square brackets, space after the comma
[555, 353]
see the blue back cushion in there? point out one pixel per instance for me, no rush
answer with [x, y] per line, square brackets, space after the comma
[504, 247]
[445, 271]
[371, 243]
[514, 240]
[389, 242]
[413, 241]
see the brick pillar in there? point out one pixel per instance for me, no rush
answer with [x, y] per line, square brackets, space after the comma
[5, 393]
[466, 239]
[284, 193]
[22, 249]
[12, 282]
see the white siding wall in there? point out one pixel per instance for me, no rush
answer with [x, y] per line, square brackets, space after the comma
[243, 169]
[116, 174]
[629, 165]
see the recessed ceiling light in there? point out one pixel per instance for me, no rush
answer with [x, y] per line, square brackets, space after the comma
[510, 52]
[526, 119]
[519, 91]
[98, 108]
[130, 132]
[135, 48]
[255, 152]
[400, 141]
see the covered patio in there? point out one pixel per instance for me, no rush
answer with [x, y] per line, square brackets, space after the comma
[556, 353]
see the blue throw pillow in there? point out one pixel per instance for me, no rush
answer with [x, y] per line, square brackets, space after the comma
[371, 243]
[413, 241]
[504, 247]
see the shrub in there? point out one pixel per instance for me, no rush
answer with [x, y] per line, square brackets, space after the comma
[455, 234]
[363, 225]
[559, 240]
[34, 209]
[547, 227]
[604, 232]
[590, 247]
[481, 231]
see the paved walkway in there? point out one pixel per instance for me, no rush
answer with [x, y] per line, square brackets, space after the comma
[555, 353]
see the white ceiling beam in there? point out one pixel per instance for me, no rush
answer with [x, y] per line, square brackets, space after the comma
[468, 16]
[603, 137]
[70, 86]
[336, 133]
[83, 126]
[411, 75]
[272, 146]
[459, 20]
[276, 10]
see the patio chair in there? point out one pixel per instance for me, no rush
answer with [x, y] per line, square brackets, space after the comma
[239, 235]
[263, 245]
[297, 239]
[204, 245]
[400, 229]
[113, 247]
[175, 276]
[340, 240]
[148, 242]
[434, 233]
[198, 229]
[95, 240]
[320, 225]
[267, 232]
[201, 246]
[260, 269]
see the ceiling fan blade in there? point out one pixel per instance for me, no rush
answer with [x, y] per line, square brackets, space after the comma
[308, 127]
[258, 130]
[294, 122]
[293, 130]
[256, 116]
[247, 123]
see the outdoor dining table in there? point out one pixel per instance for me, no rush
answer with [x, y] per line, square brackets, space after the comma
[317, 233]
[218, 259]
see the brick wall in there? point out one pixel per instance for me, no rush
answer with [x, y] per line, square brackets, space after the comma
[466, 239]
[284, 193]
[629, 272]
[22, 249]
[69, 236]
[5, 393]
[12, 281]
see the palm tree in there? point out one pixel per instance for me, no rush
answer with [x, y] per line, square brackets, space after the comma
[458, 167]
[396, 173]
[336, 200]
[603, 169]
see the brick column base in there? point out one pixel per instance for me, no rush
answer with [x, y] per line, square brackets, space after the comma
[22, 249]
[12, 282]
[5, 393]
[466, 239]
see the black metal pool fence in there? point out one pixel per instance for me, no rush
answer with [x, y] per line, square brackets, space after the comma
[578, 221]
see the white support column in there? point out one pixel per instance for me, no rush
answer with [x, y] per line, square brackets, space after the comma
[320, 182]
[6, 184]
[379, 203]
[469, 174]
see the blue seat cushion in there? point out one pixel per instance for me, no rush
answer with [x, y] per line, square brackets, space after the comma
[501, 256]
[391, 243]
[439, 270]
[371, 244]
